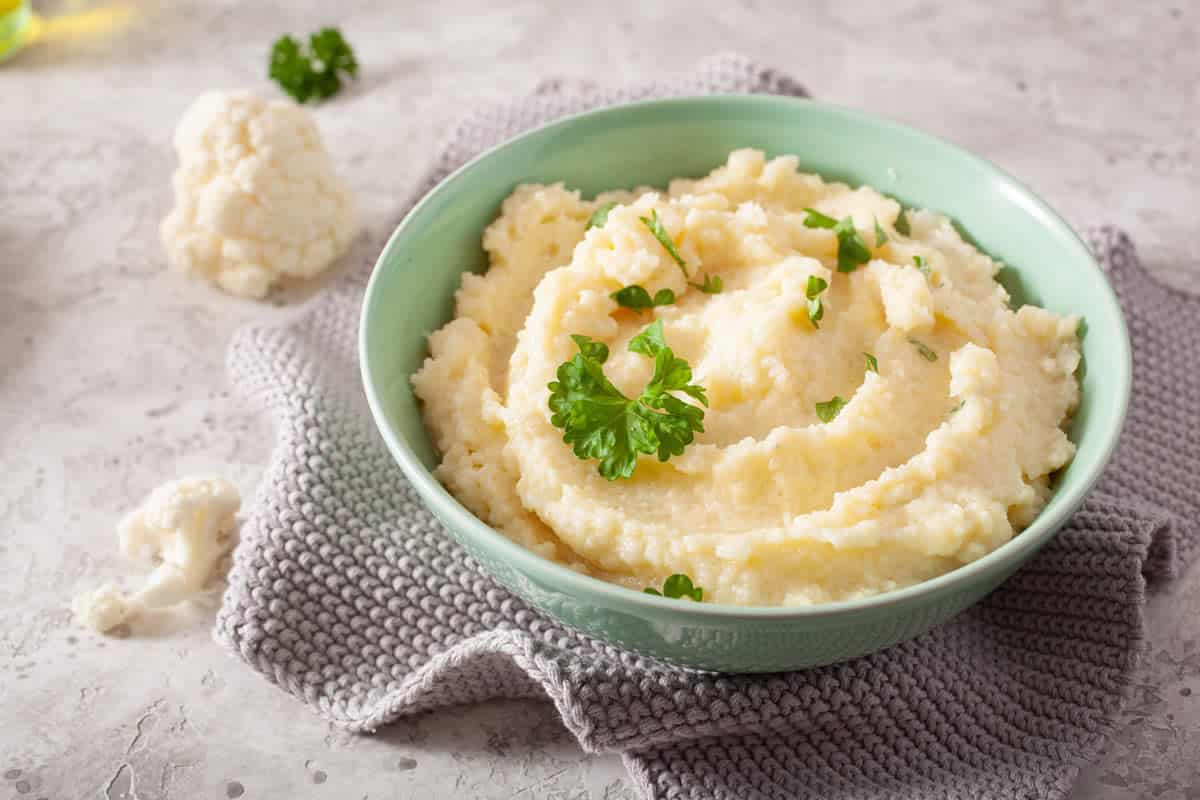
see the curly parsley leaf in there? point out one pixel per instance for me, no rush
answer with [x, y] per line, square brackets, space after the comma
[601, 423]
[656, 227]
[872, 364]
[289, 67]
[881, 236]
[924, 350]
[600, 216]
[712, 284]
[828, 411]
[650, 342]
[816, 308]
[678, 587]
[852, 250]
[315, 71]
[336, 56]
[637, 298]
[671, 374]
[590, 348]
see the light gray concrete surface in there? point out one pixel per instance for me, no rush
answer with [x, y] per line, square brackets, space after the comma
[111, 376]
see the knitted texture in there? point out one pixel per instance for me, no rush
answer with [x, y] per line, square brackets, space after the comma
[348, 594]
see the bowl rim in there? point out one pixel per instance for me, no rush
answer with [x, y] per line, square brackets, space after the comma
[1005, 557]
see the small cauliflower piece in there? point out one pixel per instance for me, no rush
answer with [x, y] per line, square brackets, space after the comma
[186, 527]
[256, 196]
[101, 609]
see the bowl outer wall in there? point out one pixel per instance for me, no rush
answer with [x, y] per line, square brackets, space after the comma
[411, 294]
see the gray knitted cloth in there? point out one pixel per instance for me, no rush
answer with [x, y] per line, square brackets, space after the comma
[348, 594]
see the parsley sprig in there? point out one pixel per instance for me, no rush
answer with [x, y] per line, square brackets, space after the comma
[656, 227]
[637, 298]
[601, 423]
[852, 250]
[314, 71]
[677, 587]
[816, 308]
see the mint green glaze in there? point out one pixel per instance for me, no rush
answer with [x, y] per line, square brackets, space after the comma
[411, 294]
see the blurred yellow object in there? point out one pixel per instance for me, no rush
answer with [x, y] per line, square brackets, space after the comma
[16, 23]
[103, 19]
[69, 21]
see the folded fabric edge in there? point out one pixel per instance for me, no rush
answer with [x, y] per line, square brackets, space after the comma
[1177, 542]
[538, 675]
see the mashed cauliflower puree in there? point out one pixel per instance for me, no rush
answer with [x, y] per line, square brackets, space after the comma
[954, 403]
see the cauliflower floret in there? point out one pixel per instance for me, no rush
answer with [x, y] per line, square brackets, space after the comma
[186, 526]
[256, 197]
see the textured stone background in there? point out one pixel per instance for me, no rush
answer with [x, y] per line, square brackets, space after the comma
[111, 375]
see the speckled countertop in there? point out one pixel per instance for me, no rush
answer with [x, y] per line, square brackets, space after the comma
[111, 376]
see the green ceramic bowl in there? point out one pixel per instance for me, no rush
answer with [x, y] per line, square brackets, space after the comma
[411, 293]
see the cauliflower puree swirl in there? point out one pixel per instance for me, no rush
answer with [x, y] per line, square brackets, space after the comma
[954, 408]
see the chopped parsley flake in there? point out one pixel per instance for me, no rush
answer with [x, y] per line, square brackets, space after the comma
[872, 364]
[816, 308]
[924, 350]
[637, 298]
[656, 227]
[852, 250]
[880, 235]
[921, 264]
[600, 216]
[678, 587]
[828, 411]
[712, 284]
